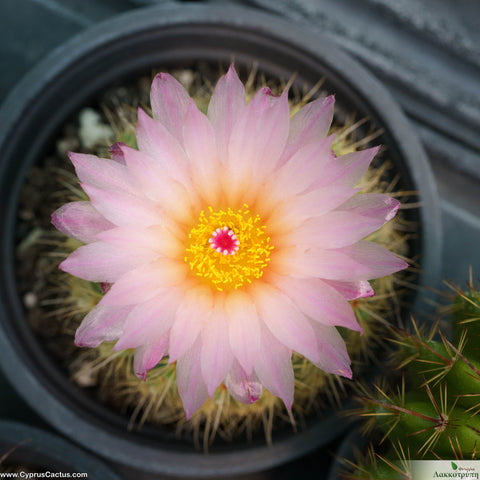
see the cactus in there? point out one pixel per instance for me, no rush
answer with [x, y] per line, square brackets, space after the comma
[435, 412]
[156, 400]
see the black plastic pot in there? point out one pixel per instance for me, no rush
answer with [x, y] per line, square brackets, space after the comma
[44, 452]
[352, 444]
[113, 52]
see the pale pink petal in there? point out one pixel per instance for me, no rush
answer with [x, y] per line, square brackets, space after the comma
[201, 149]
[352, 290]
[333, 352]
[274, 367]
[226, 103]
[302, 170]
[345, 226]
[150, 319]
[284, 320]
[155, 182]
[245, 388]
[147, 356]
[361, 261]
[80, 220]
[273, 122]
[374, 205]
[133, 238]
[310, 123]
[319, 301]
[216, 356]
[191, 387]
[379, 261]
[116, 152]
[145, 282]
[333, 230]
[99, 262]
[169, 102]
[305, 262]
[347, 169]
[296, 210]
[157, 142]
[103, 173]
[244, 328]
[257, 140]
[124, 209]
[102, 324]
[192, 314]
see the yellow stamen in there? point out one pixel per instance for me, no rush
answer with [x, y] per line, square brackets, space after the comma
[227, 272]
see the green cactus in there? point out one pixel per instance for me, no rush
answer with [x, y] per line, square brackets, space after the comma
[435, 410]
[466, 315]
[374, 466]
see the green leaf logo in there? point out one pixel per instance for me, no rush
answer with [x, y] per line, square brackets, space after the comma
[454, 466]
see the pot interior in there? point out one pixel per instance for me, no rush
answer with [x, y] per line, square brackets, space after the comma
[83, 76]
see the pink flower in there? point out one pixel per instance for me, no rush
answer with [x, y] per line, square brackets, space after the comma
[229, 239]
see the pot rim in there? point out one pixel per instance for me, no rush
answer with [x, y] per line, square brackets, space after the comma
[254, 24]
[52, 451]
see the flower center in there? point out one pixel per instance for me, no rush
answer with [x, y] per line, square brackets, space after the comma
[224, 240]
[228, 248]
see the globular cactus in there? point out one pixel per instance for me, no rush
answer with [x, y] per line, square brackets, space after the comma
[434, 412]
[466, 316]
[370, 464]
[156, 401]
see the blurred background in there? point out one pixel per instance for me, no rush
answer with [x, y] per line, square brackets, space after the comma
[426, 52]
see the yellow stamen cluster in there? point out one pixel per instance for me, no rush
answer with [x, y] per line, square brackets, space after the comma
[227, 272]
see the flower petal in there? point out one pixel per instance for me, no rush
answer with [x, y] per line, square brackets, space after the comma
[201, 149]
[216, 357]
[123, 208]
[310, 123]
[257, 141]
[245, 388]
[379, 261]
[169, 102]
[191, 387]
[347, 169]
[352, 290]
[372, 205]
[333, 352]
[302, 170]
[150, 319]
[99, 262]
[145, 282]
[345, 226]
[102, 324]
[284, 320]
[80, 220]
[360, 261]
[274, 367]
[226, 103]
[133, 238]
[102, 173]
[147, 356]
[319, 301]
[155, 183]
[157, 142]
[116, 152]
[190, 317]
[244, 328]
[296, 210]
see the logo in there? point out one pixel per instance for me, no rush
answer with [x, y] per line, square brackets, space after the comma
[437, 469]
